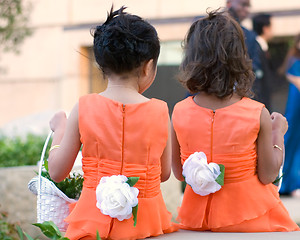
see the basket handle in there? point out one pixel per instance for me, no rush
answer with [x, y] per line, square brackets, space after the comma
[42, 160]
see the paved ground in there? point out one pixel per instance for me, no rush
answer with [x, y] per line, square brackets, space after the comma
[190, 235]
[293, 207]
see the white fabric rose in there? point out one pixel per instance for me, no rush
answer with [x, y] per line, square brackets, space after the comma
[115, 197]
[200, 175]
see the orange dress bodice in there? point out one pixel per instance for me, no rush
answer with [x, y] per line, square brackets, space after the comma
[121, 139]
[228, 136]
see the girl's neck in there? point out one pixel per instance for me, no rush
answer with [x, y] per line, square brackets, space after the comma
[121, 87]
[116, 82]
[213, 102]
[123, 90]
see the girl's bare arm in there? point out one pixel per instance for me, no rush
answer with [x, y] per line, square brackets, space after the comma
[176, 160]
[272, 130]
[166, 158]
[66, 135]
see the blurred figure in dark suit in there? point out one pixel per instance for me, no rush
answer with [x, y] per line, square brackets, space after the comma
[240, 10]
[263, 85]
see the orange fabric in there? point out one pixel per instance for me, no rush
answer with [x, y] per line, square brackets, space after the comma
[228, 136]
[121, 139]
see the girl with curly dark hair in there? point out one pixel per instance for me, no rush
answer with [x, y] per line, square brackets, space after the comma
[226, 146]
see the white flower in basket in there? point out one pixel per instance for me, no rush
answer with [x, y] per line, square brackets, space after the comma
[204, 178]
[117, 197]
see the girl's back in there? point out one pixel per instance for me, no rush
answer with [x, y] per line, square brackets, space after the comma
[123, 139]
[227, 135]
[128, 140]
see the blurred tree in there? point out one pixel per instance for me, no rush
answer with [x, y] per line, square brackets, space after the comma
[13, 24]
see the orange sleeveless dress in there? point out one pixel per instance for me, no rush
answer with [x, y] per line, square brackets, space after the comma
[228, 136]
[121, 139]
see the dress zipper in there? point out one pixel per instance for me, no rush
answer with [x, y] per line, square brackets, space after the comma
[212, 134]
[208, 206]
[112, 221]
[123, 123]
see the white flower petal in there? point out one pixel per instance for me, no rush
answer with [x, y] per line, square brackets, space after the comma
[200, 175]
[115, 197]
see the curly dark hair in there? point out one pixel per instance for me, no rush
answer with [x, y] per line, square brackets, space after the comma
[215, 58]
[123, 42]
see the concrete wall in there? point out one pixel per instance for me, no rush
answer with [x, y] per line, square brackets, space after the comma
[16, 199]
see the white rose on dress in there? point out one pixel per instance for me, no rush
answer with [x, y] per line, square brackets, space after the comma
[204, 178]
[116, 197]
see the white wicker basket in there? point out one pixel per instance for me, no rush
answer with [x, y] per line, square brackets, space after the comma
[52, 203]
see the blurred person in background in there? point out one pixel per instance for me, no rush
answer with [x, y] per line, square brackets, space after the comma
[240, 10]
[291, 169]
[263, 85]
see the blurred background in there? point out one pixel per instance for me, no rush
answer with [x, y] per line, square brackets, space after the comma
[47, 63]
[50, 64]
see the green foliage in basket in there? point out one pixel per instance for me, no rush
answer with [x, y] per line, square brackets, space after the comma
[20, 151]
[71, 186]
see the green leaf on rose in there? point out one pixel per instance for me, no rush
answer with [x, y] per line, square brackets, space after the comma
[132, 181]
[220, 178]
[134, 213]
[98, 236]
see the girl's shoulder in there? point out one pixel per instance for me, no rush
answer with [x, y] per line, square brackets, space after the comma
[245, 102]
[87, 98]
[246, 108]
[253, 103]
[96, 100]
[184, 103]
[159, 102]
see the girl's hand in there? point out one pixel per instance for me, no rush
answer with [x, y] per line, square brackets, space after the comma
[58, 121]
[279, 123]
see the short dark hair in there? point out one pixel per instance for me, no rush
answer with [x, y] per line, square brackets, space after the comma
[260, 21]
[215, 58]
[123, 42]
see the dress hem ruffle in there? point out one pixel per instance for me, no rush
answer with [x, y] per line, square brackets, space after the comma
[153, 219]
[221, 210]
